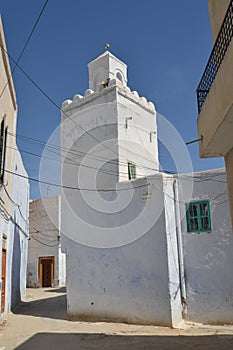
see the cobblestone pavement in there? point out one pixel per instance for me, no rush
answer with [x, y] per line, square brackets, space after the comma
[40, 322]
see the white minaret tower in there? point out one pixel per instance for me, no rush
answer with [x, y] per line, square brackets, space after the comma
[111, 132]
[108, 142]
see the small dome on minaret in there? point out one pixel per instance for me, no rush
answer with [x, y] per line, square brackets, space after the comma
[106, 67]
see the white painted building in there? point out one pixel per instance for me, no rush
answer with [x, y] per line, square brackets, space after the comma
[130, 245]
[46, 263]
[208, 258]
[20, 234]
[14, 193]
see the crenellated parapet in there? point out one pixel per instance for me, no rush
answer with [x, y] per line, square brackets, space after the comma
[104, 89]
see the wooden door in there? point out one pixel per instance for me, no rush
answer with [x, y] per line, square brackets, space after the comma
[3, 295]
[46, 271]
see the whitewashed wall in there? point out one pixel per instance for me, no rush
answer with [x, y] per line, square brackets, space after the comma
[208, 257]
[138, 142]
[142, 281]
[134, 282]
[6, 232]
[44, 240]
[20, 231]
[8, 110]
[16, 231]
[137, 282]
[109, 123]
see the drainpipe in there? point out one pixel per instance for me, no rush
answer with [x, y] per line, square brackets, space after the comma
[180, 247]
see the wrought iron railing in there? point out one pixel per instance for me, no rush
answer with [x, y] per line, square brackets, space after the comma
[216, 57]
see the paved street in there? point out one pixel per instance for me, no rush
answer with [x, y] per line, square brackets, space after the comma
[40, 323]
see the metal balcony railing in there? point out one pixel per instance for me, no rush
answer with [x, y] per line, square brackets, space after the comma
[216, 57]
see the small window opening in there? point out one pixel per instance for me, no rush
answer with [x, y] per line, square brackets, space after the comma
[119, 76]
[198, 216]
[132, 170]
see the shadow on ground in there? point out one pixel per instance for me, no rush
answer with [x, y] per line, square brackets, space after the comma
[57, 290]
[54, 308]
[85, 341]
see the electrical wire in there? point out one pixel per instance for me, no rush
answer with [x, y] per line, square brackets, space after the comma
[183, 202]
[182, 176]
[71, 187]
[24, 47]
[55, 104]
[17, 65]
[16, 204]
[76, 164]
[51, 148]
[41, 232]
[191, 177]
[47, 245]
[13, 220]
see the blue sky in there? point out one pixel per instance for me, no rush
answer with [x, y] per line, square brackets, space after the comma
[165, 44]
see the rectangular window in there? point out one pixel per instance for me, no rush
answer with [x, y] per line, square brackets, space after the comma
[131, 170]
[198, 216]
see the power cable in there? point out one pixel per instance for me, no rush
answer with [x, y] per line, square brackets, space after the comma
[25, 45]
[13, 220]
[192, 177]
[55, 104]
[106, 190]
[51, 148]
[71, 187]
[194, 141]
[16, 204]
[73, 163]
[47, 245]
[76, 164]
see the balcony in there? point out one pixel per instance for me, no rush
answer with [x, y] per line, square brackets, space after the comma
[215, 94]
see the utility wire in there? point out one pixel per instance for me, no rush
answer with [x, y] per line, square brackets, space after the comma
[47, 245]
[25, 45]
[13, 220]
[16, 204]
[56, 105]
[194, 141]
[71, 187]
[76, 164]
[51, 148]
[36, 231]
[183, 202]
[17, 65]
[107, 190]
[192, 177]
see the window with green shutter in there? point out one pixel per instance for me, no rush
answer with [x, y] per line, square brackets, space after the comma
[131, 170]
[198, 216]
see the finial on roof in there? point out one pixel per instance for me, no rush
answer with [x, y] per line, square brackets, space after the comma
[107, 46]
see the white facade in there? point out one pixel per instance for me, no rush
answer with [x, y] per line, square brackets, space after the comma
[208, 258]
[14, 192]
[134, 283]
[142, 282]
[21, 231]
[15, 235]
[44, 245]
[129, 255]
[124, 123]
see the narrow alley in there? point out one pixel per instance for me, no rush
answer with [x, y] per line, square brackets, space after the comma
[39, 322]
